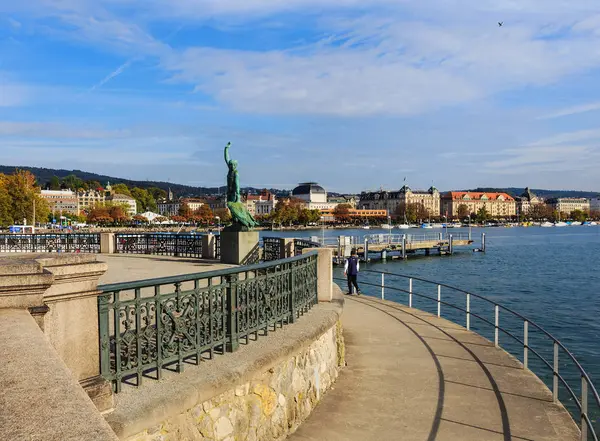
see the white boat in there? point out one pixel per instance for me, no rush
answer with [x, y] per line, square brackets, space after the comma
[575, 223]
[386, 226]
[366, 227]
[404, 226]
[547, 224]
[593, 224]
[427, 226]
[560, 224]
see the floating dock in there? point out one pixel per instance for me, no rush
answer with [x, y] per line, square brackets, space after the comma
[401, 246]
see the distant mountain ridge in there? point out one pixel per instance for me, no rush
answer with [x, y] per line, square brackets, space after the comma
[44, 175]
[546, 194]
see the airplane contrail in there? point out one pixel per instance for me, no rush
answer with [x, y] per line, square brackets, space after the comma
[128, 63]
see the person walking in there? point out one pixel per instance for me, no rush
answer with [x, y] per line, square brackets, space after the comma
[351, 268]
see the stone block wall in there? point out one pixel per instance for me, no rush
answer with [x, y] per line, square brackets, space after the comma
[268, 407]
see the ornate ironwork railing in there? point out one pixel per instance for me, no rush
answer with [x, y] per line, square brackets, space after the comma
[300, 244]
[164, 244]
[50, 243]
[218, 247]
[150, 325]
[271, 248]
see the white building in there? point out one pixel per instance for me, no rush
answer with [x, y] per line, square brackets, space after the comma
[314, 196]
[123, 199]
[61, 201]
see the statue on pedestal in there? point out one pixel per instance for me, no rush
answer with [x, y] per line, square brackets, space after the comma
[242, 219]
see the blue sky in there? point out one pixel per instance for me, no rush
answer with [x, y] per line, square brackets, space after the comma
[355, 95]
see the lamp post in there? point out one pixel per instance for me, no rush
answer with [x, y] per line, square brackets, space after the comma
[218, 223]
[323, 231]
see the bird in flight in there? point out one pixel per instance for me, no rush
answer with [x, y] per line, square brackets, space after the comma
[500, 23]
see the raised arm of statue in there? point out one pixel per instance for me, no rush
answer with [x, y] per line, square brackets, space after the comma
[227, 153]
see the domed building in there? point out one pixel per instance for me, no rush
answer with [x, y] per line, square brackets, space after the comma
[313, 195]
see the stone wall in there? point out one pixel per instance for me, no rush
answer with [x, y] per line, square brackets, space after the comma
[267, 407]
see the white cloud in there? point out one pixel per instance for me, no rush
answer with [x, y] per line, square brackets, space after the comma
[56, 130]
[13, 94]
[575, 110]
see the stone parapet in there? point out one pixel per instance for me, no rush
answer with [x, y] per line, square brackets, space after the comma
[40, 399]
[60, 291]
[262, 392]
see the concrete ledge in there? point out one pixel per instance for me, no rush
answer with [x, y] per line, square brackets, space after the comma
[139, 409]
[39, 398]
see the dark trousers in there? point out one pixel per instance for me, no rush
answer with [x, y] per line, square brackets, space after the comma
[352, 281]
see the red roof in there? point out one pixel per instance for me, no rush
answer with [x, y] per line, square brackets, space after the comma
[477, 196]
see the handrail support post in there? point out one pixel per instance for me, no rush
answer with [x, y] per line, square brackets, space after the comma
[496, 324]
[439, 301]
[526, 344]
[410, 294]
[555, 374]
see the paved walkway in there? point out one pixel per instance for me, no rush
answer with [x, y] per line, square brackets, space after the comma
[130, 267]
[413, 376]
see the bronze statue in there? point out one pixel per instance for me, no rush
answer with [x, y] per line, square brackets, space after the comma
[242, 219]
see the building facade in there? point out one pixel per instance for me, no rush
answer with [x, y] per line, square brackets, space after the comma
[395, 202]
[527, 200]
[355, 213]
[88, 199]
[595, 205]
[568, 205]
[61, 201]
[124, 200]
[496, 204]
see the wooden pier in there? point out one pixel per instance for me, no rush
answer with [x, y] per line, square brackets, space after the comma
[401, 246]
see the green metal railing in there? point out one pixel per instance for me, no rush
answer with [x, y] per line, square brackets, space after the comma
[151, 325]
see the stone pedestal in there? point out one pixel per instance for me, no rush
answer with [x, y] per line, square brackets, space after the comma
[238, 247]
[107, 243]
[208, 246]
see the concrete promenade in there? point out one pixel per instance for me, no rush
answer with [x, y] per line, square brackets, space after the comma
[415, 377]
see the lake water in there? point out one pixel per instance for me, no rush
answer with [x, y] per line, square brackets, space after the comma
[549, 275]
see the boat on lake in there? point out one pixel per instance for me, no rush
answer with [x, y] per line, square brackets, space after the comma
[560, 224]
[404, 226]
[427, 226]
[546, 224]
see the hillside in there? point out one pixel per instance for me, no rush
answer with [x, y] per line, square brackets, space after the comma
[44, 175]
[516, 191]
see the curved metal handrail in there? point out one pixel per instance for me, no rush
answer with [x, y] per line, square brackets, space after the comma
[587, 385]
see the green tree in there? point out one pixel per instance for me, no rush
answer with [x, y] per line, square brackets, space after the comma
[145, 200]
[74, 183]
[5, 202]
[121, 189]
[54, 183]
[223, 214]
[157, 193]
[483, 215]
[579, 215]
[416, 212]
[93, 185]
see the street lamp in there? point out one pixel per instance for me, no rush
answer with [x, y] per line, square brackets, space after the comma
[218, 223]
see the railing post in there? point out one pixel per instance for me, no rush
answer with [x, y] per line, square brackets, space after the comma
[451, 244]
[382, 286]
[233, 341]
[526, 344]
[292, 296]
[496, 323]
[439, 312]
[555, 374]
[404, 247]
[584, 408]
[483, 242]
[468, 312]
[410, 292]
[366, 250]
[104, 329]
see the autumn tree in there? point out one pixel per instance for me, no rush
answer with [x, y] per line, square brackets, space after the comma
[223, 214]
[185, 211]
[342, 213]
[23, 194]
[5, 202]
[118, 214]
[463, 211]
[204, 214]
[99, 214]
